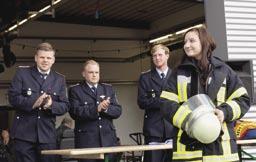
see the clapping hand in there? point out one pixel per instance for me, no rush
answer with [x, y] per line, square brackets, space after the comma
[44, 101]
[103, 106]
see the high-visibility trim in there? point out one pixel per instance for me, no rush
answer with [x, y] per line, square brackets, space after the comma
[221, 95]
[224, 81]
[225, 142]
[238, 93]
[180, 147]
[235, 109]
[187, 155]
[178, 139]
[181, 115]
[221, 158]
[182, 91]
[182, 82]
[169, 96]
[180, 132]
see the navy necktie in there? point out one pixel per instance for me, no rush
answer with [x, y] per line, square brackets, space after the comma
[162, 75]
[94, 90]
[43, 76]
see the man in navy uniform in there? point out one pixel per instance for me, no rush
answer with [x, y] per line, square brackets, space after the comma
[155, 129]
[38, 94]
[93, 106]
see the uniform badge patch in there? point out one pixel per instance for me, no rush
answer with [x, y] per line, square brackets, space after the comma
[102, 97]
[29, 92]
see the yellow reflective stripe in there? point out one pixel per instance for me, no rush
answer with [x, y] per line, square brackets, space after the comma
[221, 158]
[179, 92]
[221, 95]
[182, 147]
[179, 145]
[182, 82]
[226, 147]
[182, 91]
[169, 96]
[180, 132]
[235, 109]
[238, 93]
[187, 155]
[180, 115]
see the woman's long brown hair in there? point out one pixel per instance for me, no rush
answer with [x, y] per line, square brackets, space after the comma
[208, 45]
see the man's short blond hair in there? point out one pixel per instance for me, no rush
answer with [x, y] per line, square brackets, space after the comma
[160, 46]
[45, 46]
[91, 62]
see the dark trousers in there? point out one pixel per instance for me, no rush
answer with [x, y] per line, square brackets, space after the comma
[157, 155]
[111, 158]
[90, 160]
[31, 152]
[3, 151]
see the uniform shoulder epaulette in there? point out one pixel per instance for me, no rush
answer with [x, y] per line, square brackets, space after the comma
[60, 74]
[23, 66]
[107, 84]
[146, 71]
[74, 85]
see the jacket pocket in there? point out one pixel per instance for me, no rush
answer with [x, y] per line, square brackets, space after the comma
[27, 92]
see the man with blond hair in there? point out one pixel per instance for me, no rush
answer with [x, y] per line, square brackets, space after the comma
[38, 94]
[151, 83]
[93, 106]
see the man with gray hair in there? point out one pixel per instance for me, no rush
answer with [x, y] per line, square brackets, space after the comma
[93, 106]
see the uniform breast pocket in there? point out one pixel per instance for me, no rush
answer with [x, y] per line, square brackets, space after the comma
[27, 92]
[87, 104]
[152, 94]
[55, 96]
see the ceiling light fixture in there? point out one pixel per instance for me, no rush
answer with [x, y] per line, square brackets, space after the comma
[172, 36]
[162, 38]
[35, 15]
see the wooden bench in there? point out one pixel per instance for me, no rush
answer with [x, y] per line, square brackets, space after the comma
[99, 153]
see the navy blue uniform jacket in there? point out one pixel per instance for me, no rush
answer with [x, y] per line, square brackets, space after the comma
[36, 125]
[93, 129]
[149, 90]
